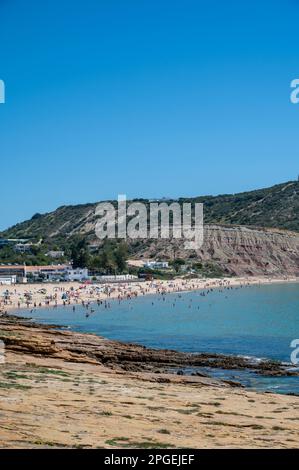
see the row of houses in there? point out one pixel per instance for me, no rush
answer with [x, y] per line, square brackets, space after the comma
[11, 274]
[24, 246]
[28, 247]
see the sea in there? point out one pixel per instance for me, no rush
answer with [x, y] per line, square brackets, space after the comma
[259, 322]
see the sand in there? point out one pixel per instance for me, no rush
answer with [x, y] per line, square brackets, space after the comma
[50, 403]
[78, 293]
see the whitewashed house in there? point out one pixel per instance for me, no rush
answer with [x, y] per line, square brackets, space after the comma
[78, 274]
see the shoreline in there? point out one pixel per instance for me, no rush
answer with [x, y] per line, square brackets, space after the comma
[30, 296]
[170, 360]
[128, 291]
[94, 392]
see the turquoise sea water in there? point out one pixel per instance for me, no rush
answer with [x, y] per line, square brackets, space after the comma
[256, 321]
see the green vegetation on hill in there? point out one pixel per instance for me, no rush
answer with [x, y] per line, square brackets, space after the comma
[72, 228]
[276, 207]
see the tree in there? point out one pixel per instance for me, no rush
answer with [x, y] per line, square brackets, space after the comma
[107, 261]
[120, 256]
[80, 254]
[177, 264]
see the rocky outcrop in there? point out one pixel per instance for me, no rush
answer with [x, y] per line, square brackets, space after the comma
[26, 337]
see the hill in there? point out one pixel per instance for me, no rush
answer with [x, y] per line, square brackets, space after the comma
[276, 207]
[249, 233]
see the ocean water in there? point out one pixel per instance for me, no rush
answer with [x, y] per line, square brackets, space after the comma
[255, 321]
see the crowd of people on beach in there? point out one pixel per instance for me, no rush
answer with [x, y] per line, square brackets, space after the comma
[48, 295]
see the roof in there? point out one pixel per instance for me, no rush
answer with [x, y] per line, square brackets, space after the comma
[34, 268]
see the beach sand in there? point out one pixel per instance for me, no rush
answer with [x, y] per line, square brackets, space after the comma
[50, 397]
[48, 403]
[88, 293]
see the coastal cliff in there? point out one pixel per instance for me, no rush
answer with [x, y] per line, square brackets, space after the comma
[236, 250]
[251, 233]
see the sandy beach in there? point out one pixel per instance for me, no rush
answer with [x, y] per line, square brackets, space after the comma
[71, 293]
[69, 390]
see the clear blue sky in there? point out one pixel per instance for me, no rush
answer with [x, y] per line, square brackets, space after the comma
[149, 98]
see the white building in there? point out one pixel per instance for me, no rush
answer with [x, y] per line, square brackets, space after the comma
[55, 254]
[156, 265]
[23, 247]
[78, 274]
[8, 280]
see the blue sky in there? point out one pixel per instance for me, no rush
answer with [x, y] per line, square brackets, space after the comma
[149, 98]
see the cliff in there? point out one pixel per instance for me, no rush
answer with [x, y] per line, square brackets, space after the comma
[236, 250]
[255, 232]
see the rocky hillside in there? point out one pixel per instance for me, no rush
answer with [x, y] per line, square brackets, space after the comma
[236, 250]
[254, 232]
[276, 207]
